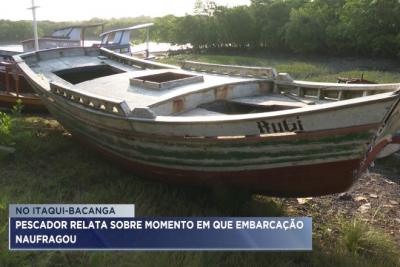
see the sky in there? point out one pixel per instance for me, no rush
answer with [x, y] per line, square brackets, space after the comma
[71, 10]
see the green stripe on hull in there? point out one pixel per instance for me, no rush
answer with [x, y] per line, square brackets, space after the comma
[177, 161]
[222, 159]
[197, 154]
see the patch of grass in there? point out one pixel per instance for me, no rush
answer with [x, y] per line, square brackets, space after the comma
[49, 166]
[359, 238]
[5, 128]
[327, 70]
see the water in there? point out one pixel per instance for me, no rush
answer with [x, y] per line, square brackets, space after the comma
[18, 47]
[153, 47]
[159, 47]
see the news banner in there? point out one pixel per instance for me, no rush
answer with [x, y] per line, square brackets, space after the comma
[115, 227]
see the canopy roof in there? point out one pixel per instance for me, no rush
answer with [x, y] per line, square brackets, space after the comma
[136, 27]
[83, 26]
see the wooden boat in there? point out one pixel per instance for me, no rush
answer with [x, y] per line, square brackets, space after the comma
[194, 127]
[13, 85]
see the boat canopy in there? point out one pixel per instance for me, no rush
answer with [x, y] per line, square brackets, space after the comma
[74, 32]
[132, 28]
[71, 36]
[119, 40]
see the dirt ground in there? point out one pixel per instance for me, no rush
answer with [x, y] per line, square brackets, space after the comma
[374, 199]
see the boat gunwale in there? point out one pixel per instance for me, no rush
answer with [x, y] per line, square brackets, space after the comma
[245, 117]
[43, 85]
[330, 86]
[256, 138]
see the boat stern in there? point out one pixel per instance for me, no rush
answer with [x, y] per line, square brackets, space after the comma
[387, 138]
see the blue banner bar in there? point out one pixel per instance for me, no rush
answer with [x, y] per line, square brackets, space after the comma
[254, 234]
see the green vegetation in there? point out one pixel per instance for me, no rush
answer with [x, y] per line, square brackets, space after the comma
[334, 27]
[344, 27]
[7, 124]
[5, 131]
[359, 239]
[15, 31]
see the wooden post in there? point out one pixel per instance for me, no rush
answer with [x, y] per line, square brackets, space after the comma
[16, 80]
[300, 91]
[340, 95]
[320, 94]
[366, 93]
[147, 42]
[7, 80]
[34, 23]
[83, 37]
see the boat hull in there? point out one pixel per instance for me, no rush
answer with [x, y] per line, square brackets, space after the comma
[319, 163]
[309, 151]
[296, 181]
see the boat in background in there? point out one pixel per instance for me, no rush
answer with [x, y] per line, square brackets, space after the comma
[119, 41]
[211, 124]
[71, 36]
[13, 85]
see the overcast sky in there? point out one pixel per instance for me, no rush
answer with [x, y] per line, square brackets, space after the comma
[65, 10]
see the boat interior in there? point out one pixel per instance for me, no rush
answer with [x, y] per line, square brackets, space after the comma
[103, 79]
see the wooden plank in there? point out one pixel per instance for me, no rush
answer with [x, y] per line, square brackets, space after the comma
[105, 104]
[230, 69]
[300, 99]
[270, 100]
[336, 86]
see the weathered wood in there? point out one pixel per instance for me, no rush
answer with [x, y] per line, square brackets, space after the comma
[185, 79]
[338, 86]
[258, 72]
[271, 100]
[324, 89]
[299, 98]
[143, 64]
[108, 105]
[340, 95]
